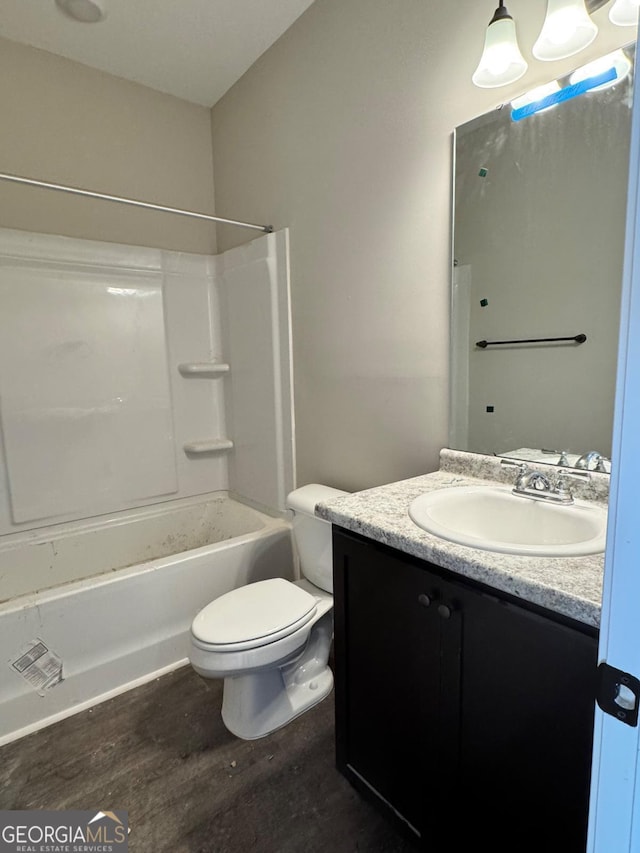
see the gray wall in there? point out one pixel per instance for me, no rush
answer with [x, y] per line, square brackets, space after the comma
[69, 124]
[342, 132]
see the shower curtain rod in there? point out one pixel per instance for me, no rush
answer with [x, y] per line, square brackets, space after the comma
[17, 179]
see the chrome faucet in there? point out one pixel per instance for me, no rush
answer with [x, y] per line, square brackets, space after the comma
[592, 461]
[529, 482]
[534, 481]
[535, 484]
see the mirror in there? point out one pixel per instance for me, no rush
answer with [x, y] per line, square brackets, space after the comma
[538, 244]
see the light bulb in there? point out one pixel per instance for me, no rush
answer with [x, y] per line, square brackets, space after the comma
[567, 29]
[498, 60]
[536, 94]
[617, 60]
[501, 62]
[624, 13]
[562, 25]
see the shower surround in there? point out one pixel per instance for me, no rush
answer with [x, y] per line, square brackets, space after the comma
[147, 424]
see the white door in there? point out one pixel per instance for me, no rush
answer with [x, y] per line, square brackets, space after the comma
[614, 817]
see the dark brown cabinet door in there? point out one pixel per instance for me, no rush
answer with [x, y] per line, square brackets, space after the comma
[466, 715]
[527, 703]
[386, 658]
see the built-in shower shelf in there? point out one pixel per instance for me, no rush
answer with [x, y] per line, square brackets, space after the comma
[210, 445]
[203, 369]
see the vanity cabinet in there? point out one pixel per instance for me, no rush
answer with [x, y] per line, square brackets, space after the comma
[465, 713]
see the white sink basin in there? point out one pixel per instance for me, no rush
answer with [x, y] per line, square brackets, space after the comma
[493, 519]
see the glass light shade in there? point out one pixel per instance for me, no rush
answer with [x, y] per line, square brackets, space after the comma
[501, 62]
[567, 30]
[617, 60]
[624, 13]
[536, 94]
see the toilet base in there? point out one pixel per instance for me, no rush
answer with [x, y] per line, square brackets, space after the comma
[267, 687]
[256, 705]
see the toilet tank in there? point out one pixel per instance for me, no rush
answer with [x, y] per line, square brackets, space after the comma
[312, 535]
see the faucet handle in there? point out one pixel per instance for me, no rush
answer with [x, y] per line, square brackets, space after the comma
[564, 459]
[601, 466]
[562, 490]
[515, 463]
[523, 471]
[576, 475]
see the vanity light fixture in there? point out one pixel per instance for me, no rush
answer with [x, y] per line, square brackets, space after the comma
[567, 29]
[86, 11]
[617, 60]
[624, 13]
[501, 62]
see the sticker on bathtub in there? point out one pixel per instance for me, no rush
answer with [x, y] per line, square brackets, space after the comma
[38, 665]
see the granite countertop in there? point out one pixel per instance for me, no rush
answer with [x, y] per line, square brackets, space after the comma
[568, 585]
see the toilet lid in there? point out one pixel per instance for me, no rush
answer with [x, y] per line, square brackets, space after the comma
[265, 610]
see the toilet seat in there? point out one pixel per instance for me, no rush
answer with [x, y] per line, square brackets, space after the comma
[253, 615]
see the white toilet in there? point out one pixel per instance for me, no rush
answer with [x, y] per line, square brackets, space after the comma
[270, 640]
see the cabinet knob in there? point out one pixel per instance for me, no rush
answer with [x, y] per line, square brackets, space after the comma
[424, 600]
[444, 611]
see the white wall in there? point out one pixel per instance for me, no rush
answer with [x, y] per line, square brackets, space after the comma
[342, 133]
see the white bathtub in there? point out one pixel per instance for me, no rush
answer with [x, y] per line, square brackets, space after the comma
[114, 599]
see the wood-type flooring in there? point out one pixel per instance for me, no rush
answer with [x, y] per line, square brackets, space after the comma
[162, 753]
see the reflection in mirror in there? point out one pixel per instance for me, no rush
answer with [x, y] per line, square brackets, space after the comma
[539, 222]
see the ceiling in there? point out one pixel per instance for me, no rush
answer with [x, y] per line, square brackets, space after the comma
[193, 49]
